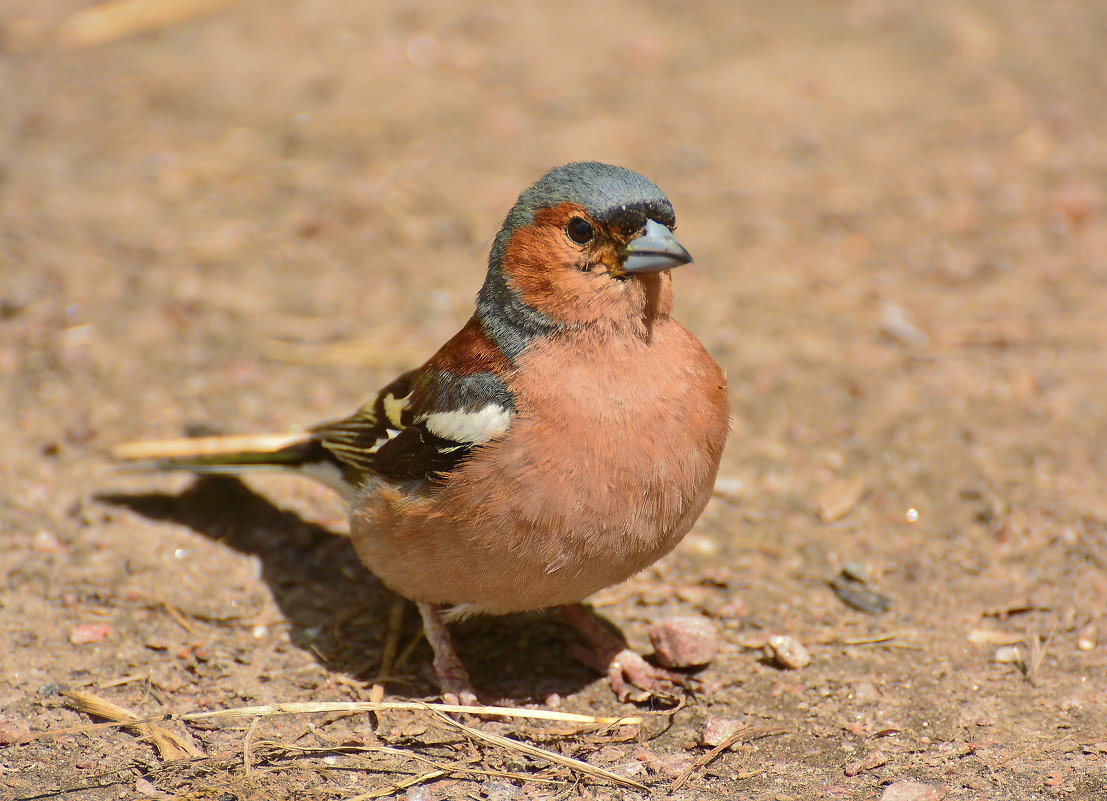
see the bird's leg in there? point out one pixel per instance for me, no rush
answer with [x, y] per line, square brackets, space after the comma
[609, 654]
[452, 675]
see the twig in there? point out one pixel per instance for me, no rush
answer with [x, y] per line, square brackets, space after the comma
[541, 753]
[178, 617]
[121, 680]
[706, 759]
[1023, 751]
[872, 639]
[400, 785]
[454, 767]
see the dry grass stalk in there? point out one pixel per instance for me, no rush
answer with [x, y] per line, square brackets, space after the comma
[247, 742]
[1032, 665]
[169, 744]
[172, 747]
[315, 707]
[121, 19]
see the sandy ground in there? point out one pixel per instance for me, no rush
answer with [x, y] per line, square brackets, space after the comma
[248, 222]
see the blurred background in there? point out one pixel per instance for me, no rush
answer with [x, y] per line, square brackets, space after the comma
[231, 216]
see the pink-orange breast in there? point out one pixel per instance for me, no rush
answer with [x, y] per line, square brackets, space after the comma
[609, 460]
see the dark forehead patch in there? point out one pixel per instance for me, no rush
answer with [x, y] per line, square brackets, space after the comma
[631, 218]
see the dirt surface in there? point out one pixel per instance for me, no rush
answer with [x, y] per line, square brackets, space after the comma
[249, 221]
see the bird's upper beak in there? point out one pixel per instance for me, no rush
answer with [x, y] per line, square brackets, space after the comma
[655, 250]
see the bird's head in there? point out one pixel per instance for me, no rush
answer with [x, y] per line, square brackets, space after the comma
[587, 243]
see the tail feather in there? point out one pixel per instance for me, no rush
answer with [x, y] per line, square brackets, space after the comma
[253, 448]
[234, 455]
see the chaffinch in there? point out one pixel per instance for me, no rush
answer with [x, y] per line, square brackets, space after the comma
[564, 439]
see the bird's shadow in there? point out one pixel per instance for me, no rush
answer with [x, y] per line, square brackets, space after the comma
[338, 611]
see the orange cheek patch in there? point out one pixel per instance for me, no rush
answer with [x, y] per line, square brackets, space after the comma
[538, 261]
[542, 265]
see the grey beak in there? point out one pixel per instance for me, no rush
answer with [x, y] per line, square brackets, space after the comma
[655, 250]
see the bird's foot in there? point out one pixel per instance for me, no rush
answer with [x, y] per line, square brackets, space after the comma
[631, 677]
[453, 678]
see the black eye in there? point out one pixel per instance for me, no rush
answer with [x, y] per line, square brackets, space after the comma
[579, 230]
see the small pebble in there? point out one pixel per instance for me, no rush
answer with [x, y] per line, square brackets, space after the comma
[838, 499]
[913, 791]
[733, 609]
[717, 730]
[853, 593]
[857, 571]
[12, 730]
[148, 790]
[684, 642]
[1085, 640]
[46, 542]
[866, 692]
[86, 633]
[788, 652]
[662, 764]
[1077, 200]
[608, 754]
[874, 759]
[1007, 655]
[897, 324]
[500, 790]
[695, 596]
[994, 637]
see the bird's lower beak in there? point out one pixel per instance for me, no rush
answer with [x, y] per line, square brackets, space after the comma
[655, 250]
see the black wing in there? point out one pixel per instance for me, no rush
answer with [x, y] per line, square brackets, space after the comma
[425, 423]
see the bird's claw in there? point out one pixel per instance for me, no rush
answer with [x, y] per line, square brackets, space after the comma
[461, 697]
[631, 677]
[629, 670]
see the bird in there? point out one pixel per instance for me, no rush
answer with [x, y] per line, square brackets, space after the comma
[567, 436]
